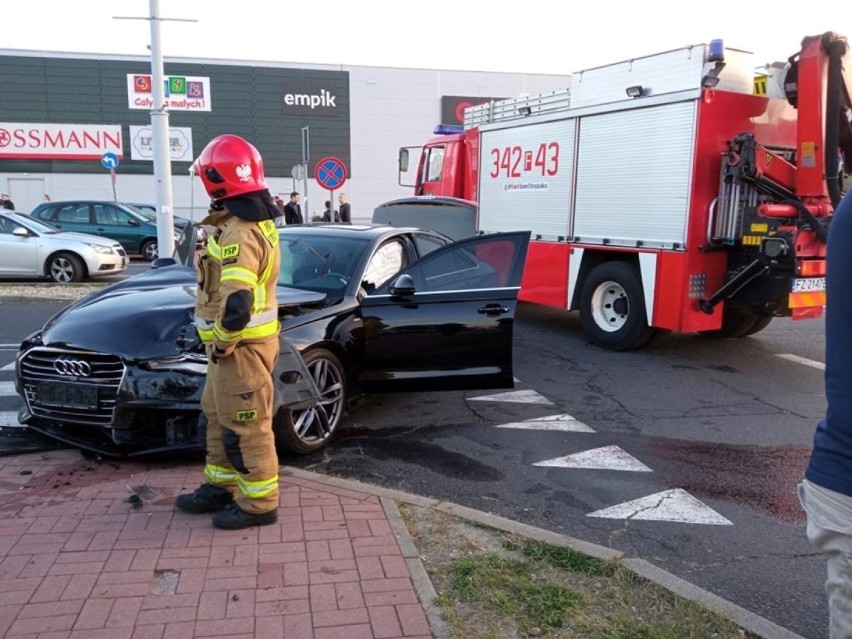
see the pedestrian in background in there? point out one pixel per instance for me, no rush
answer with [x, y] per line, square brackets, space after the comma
[292, 210]
[6, 203]
[236, 316]
[330, 214]
[279, 204]
[826, 490]
[345, 209]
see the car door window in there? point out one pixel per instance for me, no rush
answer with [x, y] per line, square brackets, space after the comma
[425, 244]
[482, 263]
[107, 214]
[76, 213]
[386, 262]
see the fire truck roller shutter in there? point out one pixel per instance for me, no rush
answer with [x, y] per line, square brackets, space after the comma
[612, 306]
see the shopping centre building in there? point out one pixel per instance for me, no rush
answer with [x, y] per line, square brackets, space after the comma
[65, 115]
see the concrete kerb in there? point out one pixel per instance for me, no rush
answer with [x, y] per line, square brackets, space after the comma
[748, 620]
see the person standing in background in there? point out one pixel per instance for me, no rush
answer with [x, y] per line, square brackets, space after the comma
[330, 215]
[345, 209]
[6, 203]
[292, 210]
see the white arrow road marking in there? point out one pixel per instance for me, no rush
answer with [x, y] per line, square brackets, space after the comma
[802, 360]
[9, 419]
[8, 367]
[671, 505]
[551, 422]
[518, 397]
[606, 458]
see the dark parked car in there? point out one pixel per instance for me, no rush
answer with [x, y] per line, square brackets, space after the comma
[134, 228]
[368, 308]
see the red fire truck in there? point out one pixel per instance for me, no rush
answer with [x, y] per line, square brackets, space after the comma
[664, 192]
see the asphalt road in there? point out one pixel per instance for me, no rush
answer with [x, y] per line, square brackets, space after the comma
[710, 436]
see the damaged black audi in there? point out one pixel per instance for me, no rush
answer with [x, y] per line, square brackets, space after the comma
[363, 309]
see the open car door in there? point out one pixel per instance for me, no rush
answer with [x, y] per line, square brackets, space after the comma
[445, 322]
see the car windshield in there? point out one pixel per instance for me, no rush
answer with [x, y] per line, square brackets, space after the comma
[320, 263]
[33, 223]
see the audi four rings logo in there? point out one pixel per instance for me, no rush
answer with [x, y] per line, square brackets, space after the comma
[72, 367]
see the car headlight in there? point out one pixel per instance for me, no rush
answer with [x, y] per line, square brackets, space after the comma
[98, 248]
[192, 363]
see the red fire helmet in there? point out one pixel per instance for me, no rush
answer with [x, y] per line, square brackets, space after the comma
[230, 166]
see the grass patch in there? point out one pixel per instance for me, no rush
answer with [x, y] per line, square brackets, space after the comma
[492, 585]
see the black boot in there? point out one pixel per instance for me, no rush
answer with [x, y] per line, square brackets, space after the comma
[233, 518]
[207, 498]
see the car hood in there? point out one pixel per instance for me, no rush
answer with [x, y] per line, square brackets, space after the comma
[84, 237]
[144, 317]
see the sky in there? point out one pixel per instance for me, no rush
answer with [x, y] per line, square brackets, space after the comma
[474, 35]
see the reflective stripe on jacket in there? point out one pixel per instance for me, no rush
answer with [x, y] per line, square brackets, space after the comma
[240, 256]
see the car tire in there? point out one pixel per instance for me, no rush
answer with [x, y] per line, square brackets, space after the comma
[302, 432]
[64, 268]
[612, 307]
[149, 250]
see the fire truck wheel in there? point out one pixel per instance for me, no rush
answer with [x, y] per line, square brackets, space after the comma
[762, 322]
[736, 323]
[612, 307]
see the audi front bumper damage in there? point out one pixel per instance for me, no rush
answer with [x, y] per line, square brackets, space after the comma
[99, 402]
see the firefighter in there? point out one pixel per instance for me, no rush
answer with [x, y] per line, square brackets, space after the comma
[236, 315]
[826, 490]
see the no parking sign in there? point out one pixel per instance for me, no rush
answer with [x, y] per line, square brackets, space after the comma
[330, 173]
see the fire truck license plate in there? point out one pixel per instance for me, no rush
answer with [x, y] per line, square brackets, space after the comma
[803, 284]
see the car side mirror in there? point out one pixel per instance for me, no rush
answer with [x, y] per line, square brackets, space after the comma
[161, 262]
[403, 286]
[20, 231]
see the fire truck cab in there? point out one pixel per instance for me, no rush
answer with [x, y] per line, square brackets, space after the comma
[663, 192]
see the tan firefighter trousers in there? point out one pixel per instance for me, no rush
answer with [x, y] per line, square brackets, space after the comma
[237, 402]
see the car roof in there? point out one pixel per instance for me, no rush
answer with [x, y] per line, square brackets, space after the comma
[368, 231]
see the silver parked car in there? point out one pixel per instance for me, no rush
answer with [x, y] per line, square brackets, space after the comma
[32, 248]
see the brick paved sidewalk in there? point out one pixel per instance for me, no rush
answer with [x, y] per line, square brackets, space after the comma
[78, 560]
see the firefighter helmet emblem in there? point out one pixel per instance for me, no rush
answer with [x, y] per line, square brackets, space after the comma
[244, 172]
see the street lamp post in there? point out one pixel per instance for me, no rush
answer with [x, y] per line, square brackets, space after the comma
[160, 129]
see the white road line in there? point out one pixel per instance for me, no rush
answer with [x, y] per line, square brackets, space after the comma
[517, 397]
[802, 360]
[674, 505]
[10, 347]
[606, 458]
[9, 419]
[7, 388]
[8, 367]
[551, 422]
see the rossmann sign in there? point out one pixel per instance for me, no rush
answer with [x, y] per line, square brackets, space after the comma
[59, 141]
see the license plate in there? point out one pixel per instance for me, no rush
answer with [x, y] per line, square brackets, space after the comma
[67, 395]
[803, 284]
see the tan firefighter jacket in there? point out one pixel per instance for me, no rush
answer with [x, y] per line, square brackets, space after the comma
[236, 282]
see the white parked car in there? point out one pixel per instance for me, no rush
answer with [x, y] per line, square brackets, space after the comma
[32, 248]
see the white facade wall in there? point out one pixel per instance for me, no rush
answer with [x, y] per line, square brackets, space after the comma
[389, 108]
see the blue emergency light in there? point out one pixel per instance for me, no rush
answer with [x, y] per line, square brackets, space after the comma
[448, 129]
[717, 51]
